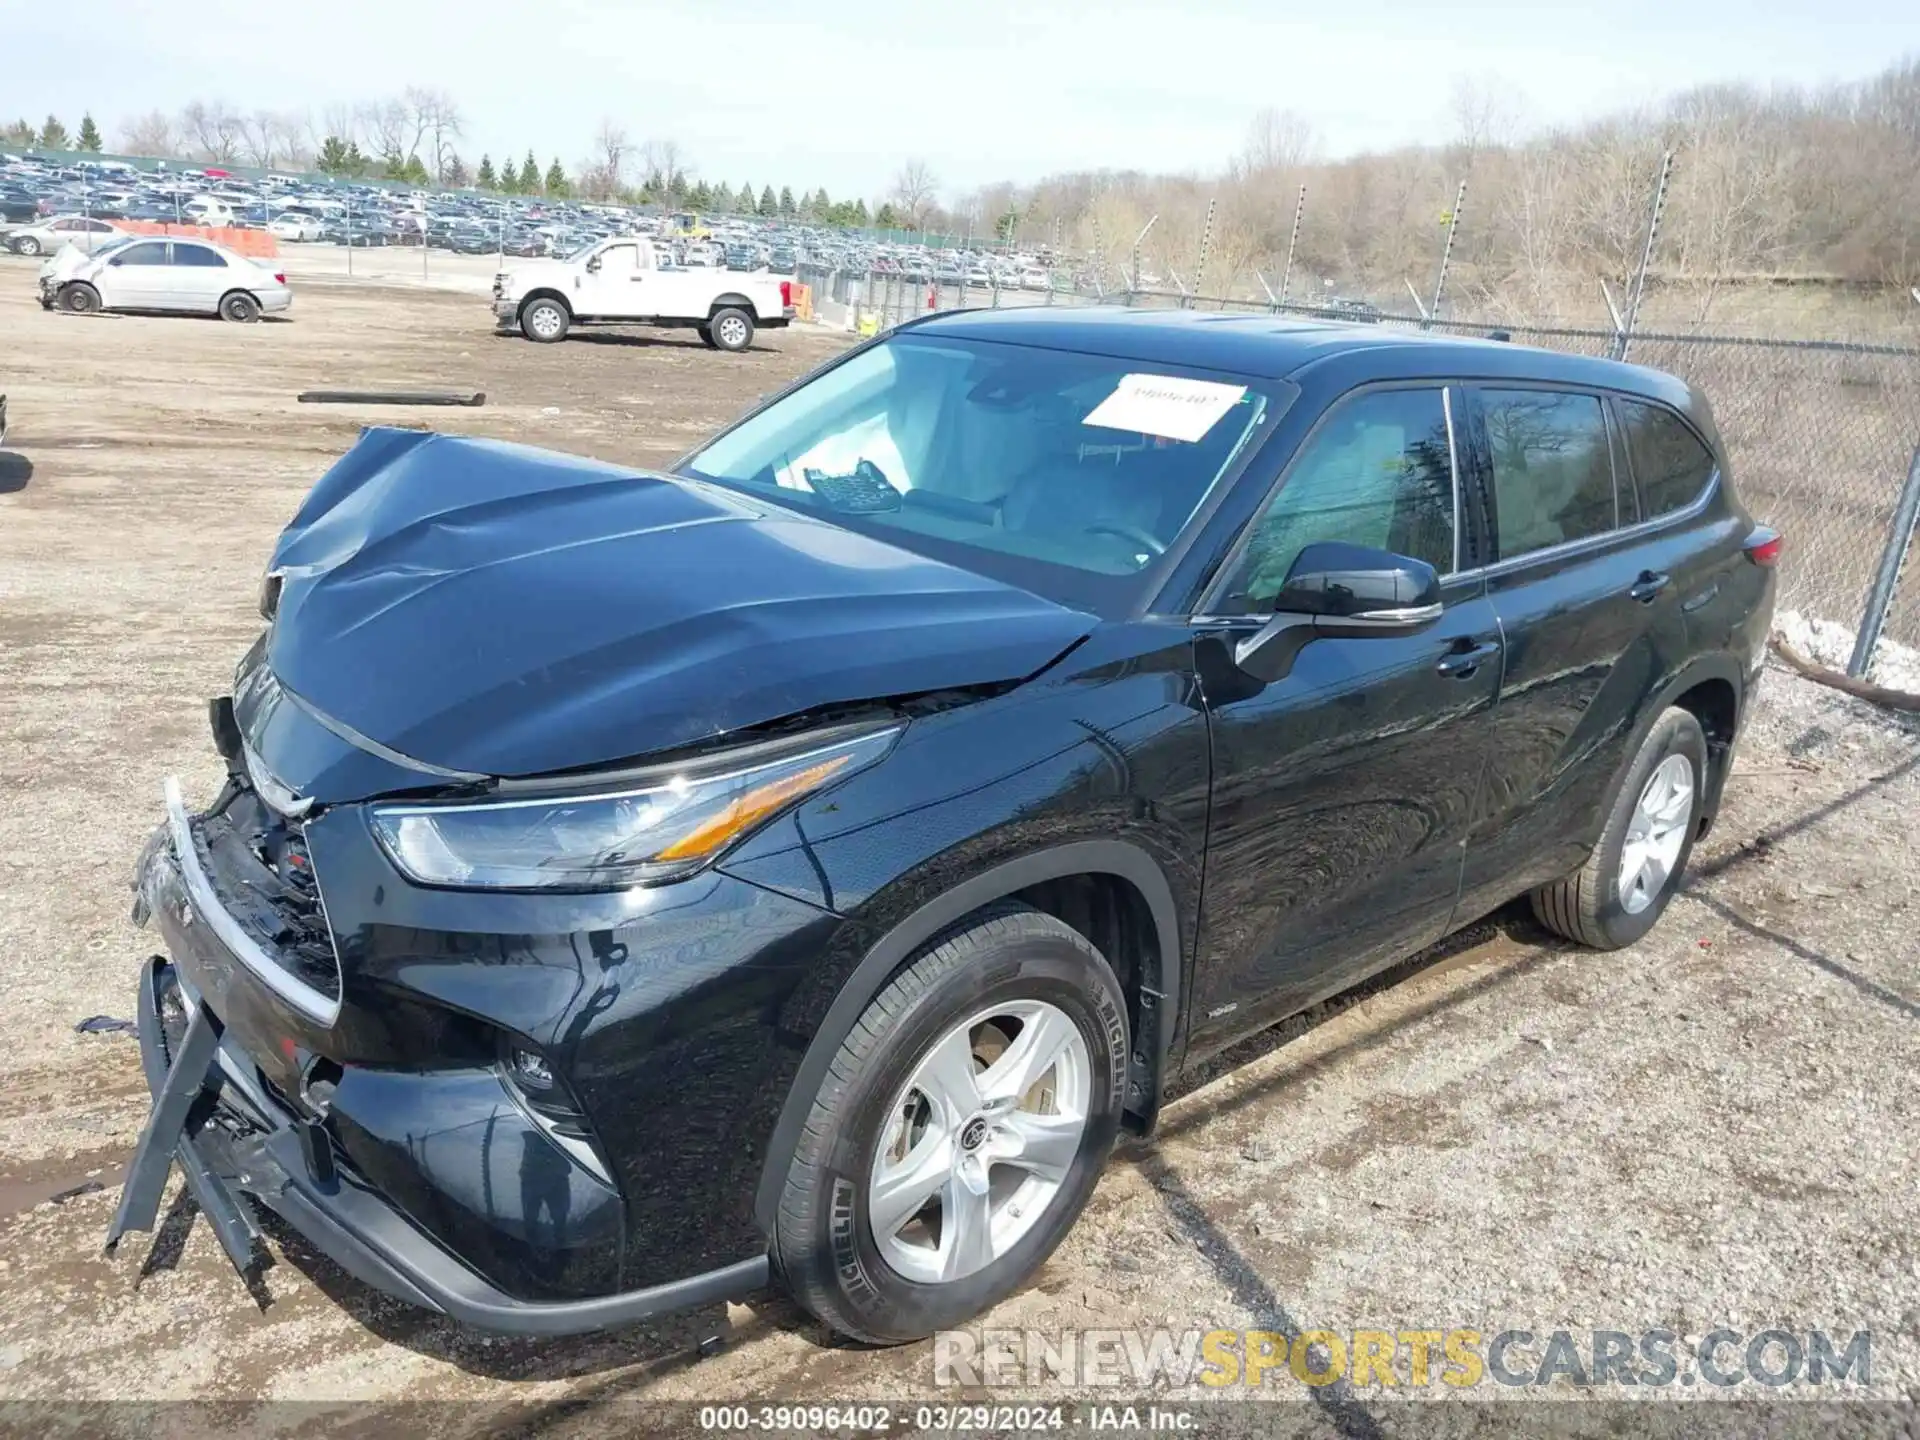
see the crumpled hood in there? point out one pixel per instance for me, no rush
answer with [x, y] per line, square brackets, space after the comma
[497, 609]
[69, 260]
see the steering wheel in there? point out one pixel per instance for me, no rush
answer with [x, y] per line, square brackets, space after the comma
[1148, 542]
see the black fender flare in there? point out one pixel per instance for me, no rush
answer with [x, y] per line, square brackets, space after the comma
[1715, 665]
[732, 300]
[1159, 994]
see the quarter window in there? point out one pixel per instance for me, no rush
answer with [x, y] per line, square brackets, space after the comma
[1669, 462]
[197, 255]
[1552, 468]
[1378, 472]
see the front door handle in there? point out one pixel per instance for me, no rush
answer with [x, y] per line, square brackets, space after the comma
[1461, 664]
[1648, 587]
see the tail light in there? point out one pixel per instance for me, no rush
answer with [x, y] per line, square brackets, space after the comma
[786, 292]
[1763, 546]
[279, 278]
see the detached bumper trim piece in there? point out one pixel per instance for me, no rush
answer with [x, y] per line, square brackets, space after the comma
[341, 1217]
[208, 911]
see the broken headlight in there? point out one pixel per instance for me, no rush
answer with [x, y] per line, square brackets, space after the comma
[657, 830]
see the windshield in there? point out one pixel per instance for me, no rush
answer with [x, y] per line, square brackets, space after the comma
[1067, 474]
[579, 252]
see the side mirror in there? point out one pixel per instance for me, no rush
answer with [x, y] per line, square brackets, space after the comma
[1373, 591]
[1340, 591]
[593, 264]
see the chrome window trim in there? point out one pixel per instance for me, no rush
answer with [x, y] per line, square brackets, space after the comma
[208, 910]
[1453, 464]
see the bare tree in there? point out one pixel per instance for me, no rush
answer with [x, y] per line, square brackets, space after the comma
[390, 125]
[607, 169]
[436, 121]
[1278, 140]
[263, 138]
[213, 130]
[914, 189]
[152, 134]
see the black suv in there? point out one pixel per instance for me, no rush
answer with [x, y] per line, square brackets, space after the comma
[632, 888]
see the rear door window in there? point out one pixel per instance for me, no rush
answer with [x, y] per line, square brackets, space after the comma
[1670, 464]
[1553, 478]
[153, 252]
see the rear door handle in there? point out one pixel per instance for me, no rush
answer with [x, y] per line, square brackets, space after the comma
[1461, 664]
[1648, 587]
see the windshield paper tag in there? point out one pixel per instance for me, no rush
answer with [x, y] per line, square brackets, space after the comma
[1165, 405]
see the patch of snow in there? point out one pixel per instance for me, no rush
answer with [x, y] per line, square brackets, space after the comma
[1830, 643]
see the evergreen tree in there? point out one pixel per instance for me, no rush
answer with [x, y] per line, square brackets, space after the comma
[53, 135]
[456, 176]
[20, 135]
[768, 205]
[557, 179]
[702, 197]
[745, 201]
[886, 218]
[787, 207]
[723, 200]
[530, 174]
[484, 176]
[332, 159]
[89, 133]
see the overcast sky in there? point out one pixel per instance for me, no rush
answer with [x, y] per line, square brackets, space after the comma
[839, 92]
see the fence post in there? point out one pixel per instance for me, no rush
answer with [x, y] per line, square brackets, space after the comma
[1887, 579]
[1206, 244]
[1446, 253]
[1646, 255]
[1293, 243]
[1133, 280]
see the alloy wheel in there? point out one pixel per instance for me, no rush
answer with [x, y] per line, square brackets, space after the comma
[733, 332]
[979, 1140]
[1656, 833]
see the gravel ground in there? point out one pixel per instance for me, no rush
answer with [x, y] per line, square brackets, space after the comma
[1715, 1128]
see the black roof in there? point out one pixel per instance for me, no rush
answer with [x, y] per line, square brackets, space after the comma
[1281, 347]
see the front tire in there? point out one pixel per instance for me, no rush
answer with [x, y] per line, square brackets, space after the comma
[80, 298]
[239, 308]
[545, 321]
[732, 329]
[26, 245]
[1635, 870]
[958, 1132]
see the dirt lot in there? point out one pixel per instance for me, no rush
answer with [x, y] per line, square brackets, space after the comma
[1719, 1127]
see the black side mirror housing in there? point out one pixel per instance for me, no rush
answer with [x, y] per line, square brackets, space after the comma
[1341, 591]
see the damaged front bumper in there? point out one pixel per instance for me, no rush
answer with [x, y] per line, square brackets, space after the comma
[234, 1134]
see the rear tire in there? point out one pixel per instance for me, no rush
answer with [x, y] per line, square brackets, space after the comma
[237, 307]
[706, 336]
[1621, 892]
[545, 321]
[1033, 1136]
[731, 328]
[79, 298]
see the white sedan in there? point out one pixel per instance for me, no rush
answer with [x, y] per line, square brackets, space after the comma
[82, 231]
[155, 273]
[295, 227]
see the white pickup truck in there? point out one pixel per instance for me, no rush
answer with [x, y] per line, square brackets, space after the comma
[621, 281]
